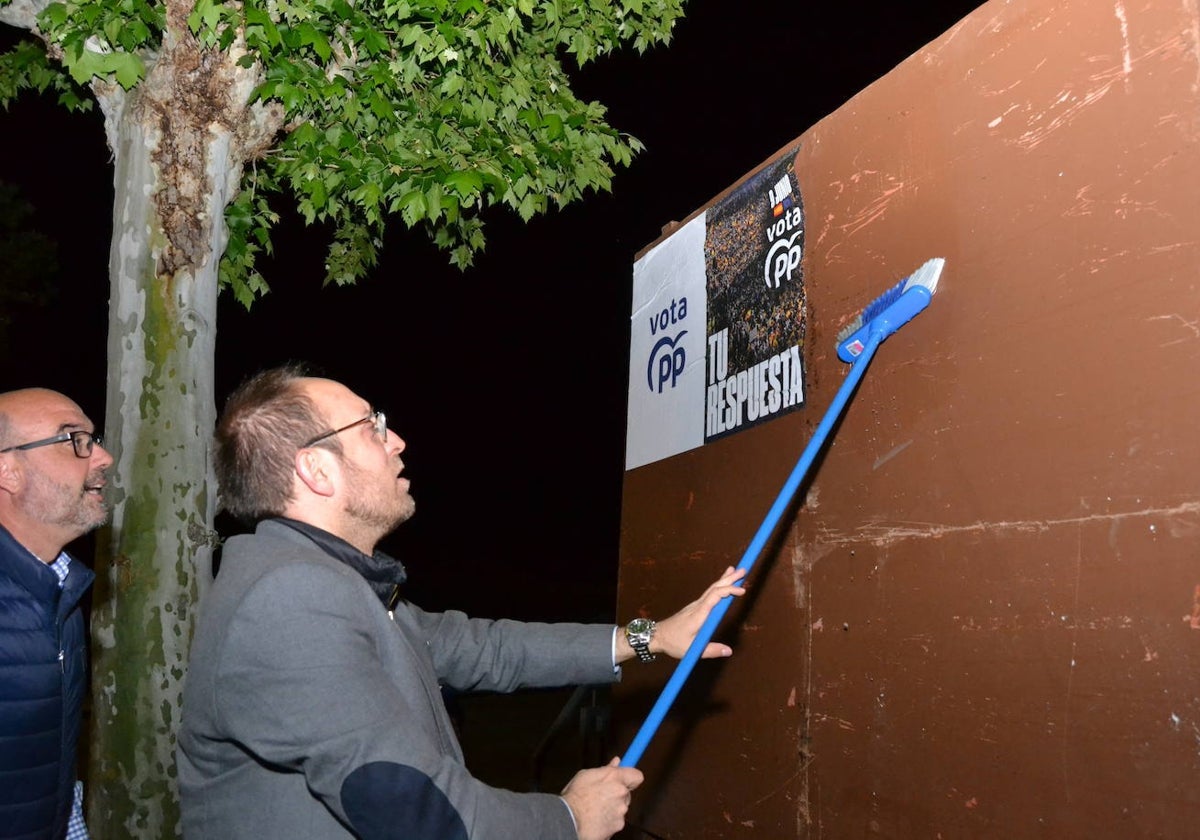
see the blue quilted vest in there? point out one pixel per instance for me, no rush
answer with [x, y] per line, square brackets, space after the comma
[43, 677]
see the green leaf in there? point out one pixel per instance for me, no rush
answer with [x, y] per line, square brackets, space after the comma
[411, 207]
[204, 15]
[257, 18]
[465, 183]
[128, 69]
[409, 34]
[310, 36]
[112, 29]
[380, 106]
[452, 83]
[530, 118]
[372, 41]
[433, 203]
[55, 15]
[527, 208]
[316, 193]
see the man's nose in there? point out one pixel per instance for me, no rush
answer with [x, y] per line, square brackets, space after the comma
[399, 444]
[101, 456]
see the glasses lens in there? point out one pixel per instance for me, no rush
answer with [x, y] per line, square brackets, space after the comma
[381, 425]
[82, 441]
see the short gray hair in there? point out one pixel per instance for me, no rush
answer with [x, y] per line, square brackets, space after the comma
[266, 420]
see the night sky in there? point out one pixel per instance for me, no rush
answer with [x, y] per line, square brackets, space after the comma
[508, 381]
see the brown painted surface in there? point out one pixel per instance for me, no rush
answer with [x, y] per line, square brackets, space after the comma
[983, 622]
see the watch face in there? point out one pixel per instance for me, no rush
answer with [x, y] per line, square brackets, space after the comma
[640, 626]
[638, 633]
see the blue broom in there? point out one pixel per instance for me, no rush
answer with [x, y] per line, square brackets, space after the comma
[857, 343]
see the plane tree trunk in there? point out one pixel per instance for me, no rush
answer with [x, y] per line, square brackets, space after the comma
[179, 142]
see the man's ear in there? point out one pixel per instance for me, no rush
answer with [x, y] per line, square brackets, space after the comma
[317, 470]
[11, 476]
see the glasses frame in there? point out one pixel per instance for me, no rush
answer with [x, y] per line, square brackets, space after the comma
[90, 440]
[377, 418]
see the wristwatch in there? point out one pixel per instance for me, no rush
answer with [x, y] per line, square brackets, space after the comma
[638, 633]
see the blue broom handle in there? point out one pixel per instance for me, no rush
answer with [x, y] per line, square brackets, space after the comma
[684, 669]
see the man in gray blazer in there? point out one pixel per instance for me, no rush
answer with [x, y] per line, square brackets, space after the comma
[312, 708]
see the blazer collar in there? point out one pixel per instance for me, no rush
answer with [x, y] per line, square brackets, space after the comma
[383, 572]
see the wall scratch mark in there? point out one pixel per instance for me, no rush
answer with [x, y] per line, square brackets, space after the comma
[1192, 326]
[1094, 265]
[883, 459]
[1070, 103]
[842, 723]
[1024, 623]
[878, 191]
[1064, 110]
[804, 558]
[880, 534]
[1066, 733]
[1126, 58]
[804, 811]
[1194, 38]
[775, 792]
[1122, 207]
[874, 210]
[1193, 620]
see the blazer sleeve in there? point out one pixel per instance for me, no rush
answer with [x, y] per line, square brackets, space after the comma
[301, 685]
[471, 654]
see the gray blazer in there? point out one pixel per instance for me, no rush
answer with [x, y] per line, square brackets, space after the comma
[310, 714]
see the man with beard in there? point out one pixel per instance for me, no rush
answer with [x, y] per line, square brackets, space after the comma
[52, 473]
[312, 708]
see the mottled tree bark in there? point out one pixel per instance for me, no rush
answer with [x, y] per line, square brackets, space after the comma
[179, 141]
[158, 420]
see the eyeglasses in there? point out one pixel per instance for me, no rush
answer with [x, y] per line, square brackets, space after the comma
[376, 418]
[82, 441]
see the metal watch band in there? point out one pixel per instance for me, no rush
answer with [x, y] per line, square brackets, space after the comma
[638, 633]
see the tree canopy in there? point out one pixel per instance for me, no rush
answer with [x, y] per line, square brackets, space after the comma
[429, 110]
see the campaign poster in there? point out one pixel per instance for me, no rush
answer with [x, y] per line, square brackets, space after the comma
[718, 322]
[667, 346]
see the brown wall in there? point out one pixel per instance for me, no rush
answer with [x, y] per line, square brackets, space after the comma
[979, 623]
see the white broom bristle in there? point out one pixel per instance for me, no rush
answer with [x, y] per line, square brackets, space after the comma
[927, 275]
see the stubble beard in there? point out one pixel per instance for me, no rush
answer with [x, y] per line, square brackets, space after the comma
[375, 512]
[74, 510]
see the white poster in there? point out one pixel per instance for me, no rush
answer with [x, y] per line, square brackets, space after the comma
[667, 345]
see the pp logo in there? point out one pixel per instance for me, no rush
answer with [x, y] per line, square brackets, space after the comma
[782, 260]
[666, 362]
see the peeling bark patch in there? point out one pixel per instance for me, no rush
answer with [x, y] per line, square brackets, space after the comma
[191, 97]
[190, 102]
[200, 535]
[124, 571]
